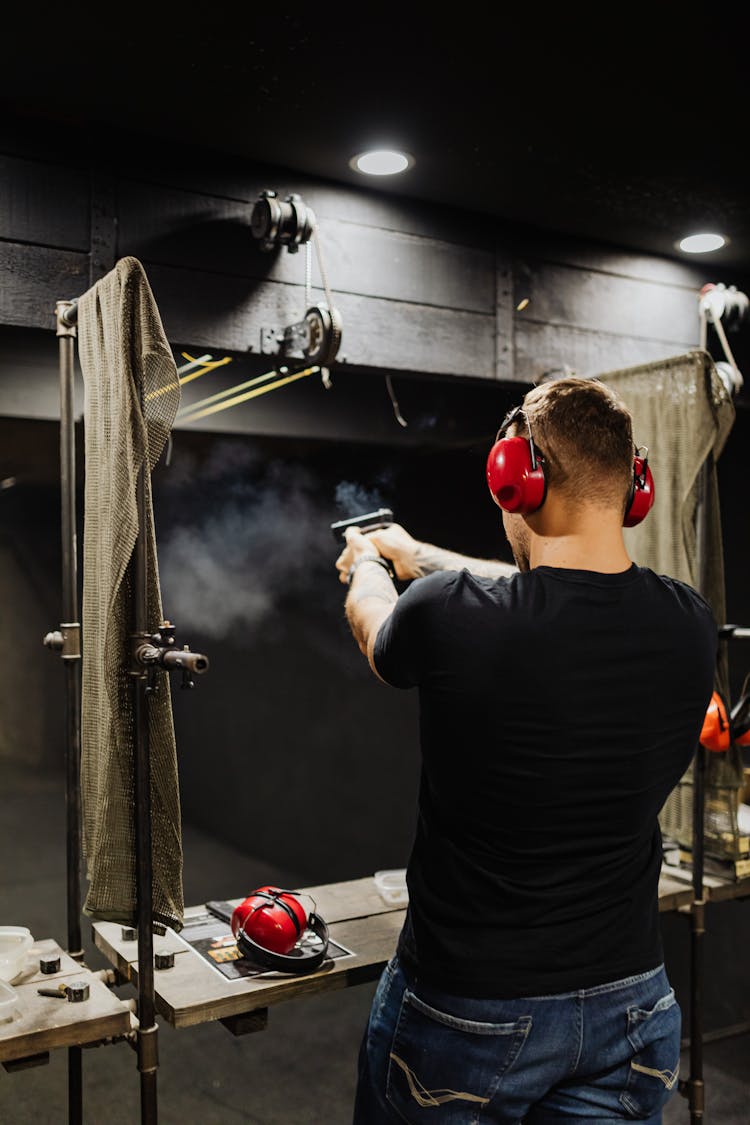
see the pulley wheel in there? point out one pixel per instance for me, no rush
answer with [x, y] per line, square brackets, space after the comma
[324, 334]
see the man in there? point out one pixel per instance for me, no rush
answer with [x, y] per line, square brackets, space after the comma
[560, 703]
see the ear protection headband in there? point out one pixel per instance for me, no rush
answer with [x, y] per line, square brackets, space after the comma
[268, 926]
[517, 481]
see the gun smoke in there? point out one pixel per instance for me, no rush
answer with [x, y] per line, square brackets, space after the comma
[241, 537]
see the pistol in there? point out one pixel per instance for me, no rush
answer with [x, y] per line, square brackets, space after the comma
[370, 521]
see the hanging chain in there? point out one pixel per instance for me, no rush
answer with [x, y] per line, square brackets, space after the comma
[321, 267]
[308, 274]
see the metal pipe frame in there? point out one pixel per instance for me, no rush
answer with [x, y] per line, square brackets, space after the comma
[695, 1085]
[147, 1035]
[71, 656]
[69, 642]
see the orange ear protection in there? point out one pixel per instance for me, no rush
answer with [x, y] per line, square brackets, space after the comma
[739, 717]
[715, 733]
[517, 482]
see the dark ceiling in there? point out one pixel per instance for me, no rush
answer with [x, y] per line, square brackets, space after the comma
[610, 123]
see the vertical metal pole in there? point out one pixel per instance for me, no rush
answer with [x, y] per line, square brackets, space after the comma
[696, 1086]
[147, 1031]
[697, 932]
[71, 656]
[702, 529]
[72, 664]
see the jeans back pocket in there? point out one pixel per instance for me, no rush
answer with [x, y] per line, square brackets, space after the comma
[444, 1069]
[654, 1034]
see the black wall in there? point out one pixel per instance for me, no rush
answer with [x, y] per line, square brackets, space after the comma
[288, 723]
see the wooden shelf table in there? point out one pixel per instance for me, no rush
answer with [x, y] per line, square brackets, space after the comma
[192, 992]
[44, 1023]
[715, 889]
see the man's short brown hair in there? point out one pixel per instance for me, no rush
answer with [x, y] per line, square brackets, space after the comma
[585, 433]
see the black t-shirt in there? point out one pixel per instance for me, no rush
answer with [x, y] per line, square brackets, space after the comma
[558, 709]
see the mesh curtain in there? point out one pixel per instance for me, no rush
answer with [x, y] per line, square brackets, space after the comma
[131, 398]
[684, 413]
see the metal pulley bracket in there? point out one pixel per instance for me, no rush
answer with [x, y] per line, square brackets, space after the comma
[316, 338]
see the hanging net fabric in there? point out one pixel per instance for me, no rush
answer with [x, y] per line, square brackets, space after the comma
[131, 397]
[683, 412]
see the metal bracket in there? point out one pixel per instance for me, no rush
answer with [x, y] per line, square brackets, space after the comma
[270, 340]
[316, 338]
[296, 338]
[293, 338]
[66, 313]
[154, 652]
[148, 1048]
[66, 640]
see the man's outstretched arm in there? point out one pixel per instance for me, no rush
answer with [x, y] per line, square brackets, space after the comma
[371, 596]
[413, 559]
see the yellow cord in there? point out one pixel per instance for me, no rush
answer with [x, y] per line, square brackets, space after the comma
[224, 394]
[244, 397]
[210, 365]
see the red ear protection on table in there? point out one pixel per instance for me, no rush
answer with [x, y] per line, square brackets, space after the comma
[517, 482]
[268, 926]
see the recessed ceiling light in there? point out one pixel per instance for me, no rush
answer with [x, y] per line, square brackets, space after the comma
[381, 162]
[701, 243]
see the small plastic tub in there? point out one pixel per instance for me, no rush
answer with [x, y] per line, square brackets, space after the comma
[15, 943]
[8, 1002]
[392, 886]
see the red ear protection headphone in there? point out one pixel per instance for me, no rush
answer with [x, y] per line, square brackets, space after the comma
[517, 482]
[268, 926]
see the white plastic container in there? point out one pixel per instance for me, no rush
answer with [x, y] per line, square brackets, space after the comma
[392, 886]
[15, 943]
[8, 1001]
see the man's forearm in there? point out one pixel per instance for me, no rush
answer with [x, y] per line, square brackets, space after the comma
[370, 600]
[430, 558]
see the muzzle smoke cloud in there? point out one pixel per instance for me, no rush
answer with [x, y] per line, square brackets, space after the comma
[240, 536]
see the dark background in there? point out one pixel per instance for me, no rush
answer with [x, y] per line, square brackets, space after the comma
[289, 747]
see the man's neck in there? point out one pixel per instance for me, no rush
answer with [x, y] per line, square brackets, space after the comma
[594, 544]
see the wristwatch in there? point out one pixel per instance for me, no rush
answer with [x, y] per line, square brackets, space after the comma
[369, 558]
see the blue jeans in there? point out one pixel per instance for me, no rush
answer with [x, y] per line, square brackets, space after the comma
[599, 1056]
